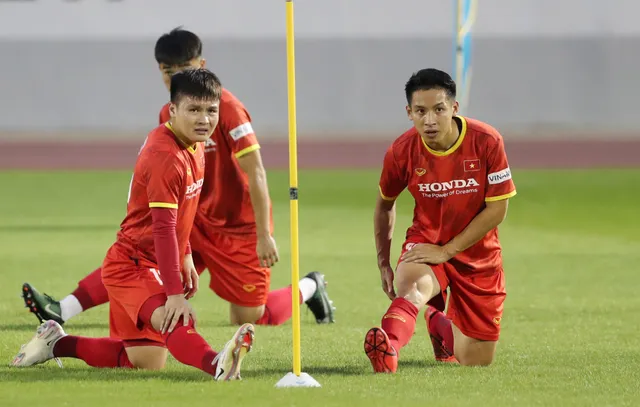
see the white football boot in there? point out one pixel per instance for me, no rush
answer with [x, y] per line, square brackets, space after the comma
[228, 361]
[40, 348]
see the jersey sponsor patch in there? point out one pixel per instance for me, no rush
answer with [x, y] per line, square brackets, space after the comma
[194, 189]
[499, 177]
[241, 131]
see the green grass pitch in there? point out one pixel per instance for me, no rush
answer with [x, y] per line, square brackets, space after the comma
[570, 330]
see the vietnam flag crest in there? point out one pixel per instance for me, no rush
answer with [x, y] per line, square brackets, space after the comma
[472, 165]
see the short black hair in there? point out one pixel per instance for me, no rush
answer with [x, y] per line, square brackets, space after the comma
[430, 78]
[196, 83]
[177, 47]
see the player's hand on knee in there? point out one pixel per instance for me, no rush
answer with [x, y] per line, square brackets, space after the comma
[386, 275]
[426, 253]
[176, 307]
[267, 251]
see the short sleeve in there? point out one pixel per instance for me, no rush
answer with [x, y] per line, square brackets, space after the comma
[165, 176]
[499, 182]
[392, 183]
[239, 130]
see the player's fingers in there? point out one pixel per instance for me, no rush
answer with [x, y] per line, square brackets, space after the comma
[174, 320]
[196, 281]
[407, 257]
[188, 282]
[192, 313]
[164, 320]
[186, 315]
[391, 295]
[416, 257]
[390, 283]
[385, 288]
[194, 284]
[168, 314]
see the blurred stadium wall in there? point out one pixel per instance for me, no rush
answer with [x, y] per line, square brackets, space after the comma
[540, 67]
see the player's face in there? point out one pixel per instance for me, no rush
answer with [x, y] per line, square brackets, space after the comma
[431, 112]
[168, 71]
[195, 119]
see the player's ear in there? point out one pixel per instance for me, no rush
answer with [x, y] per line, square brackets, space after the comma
[173, 110]
[456, 107]
[203, 63]
[408, 107]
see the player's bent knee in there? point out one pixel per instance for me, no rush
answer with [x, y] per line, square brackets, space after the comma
[475, 359]
[147, 357]
[473, 352]
[416, 283]
[156, 318]
[239, 315]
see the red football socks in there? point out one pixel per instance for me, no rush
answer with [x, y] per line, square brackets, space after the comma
[400, 322]
[91, 292]
[278, 308]
[441, 326]
[96, 352]
[188, 347]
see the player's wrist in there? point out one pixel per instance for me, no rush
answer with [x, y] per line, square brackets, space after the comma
[173, 288]
[384, 263]
[450, 250]
[263, 235]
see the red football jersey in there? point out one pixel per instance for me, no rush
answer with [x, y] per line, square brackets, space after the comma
[451, 187]
[225, 202]
[167, 174]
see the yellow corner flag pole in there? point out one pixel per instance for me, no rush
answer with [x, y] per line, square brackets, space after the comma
[295, 378]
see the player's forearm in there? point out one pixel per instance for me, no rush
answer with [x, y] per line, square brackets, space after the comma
[383, 222]
[259, 193]
[485, 221]
[167, 250]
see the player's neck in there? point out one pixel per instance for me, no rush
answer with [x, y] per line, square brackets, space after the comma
[181, 139]
[448, 140]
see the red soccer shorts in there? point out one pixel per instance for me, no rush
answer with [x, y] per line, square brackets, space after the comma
[130, 286]
[476, 299]
[232, 261]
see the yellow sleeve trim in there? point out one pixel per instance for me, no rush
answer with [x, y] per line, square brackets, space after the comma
[163, 205]
[386, 198]
[247, 150]
[500, 197]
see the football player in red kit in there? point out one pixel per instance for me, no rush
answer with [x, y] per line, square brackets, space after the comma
[148, 272]
[457, 172]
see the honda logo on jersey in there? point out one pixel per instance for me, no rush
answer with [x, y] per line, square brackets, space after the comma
[445, 189]
[194, 189]
[449, 185]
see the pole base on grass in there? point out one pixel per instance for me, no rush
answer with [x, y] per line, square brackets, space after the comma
[291, 380]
